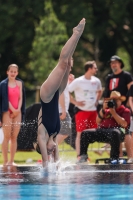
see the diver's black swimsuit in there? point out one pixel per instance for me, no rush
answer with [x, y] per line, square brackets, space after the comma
[50, 115]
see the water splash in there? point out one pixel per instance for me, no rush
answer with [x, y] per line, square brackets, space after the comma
[56, 168]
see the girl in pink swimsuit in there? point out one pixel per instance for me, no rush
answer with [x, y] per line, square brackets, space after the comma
[14, 96]
[11, 119]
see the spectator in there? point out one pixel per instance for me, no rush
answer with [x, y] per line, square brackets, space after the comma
[12, 107]
[130, 94]
[119, 80]
[113, 120]
[87, 91]
[65, 118]
[71, 139]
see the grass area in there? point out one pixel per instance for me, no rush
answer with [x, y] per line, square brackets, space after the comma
[66, 154]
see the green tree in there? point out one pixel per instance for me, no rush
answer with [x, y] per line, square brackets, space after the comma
[108, 29]
[50, 37]
[17, 24]
[71, 12]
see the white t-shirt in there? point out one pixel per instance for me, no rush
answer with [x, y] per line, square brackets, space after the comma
[67, 100]
[86, 90]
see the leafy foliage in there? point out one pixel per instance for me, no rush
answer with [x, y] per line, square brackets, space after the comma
[109, 28]
[50, 37]
[17, 23]
[35, 46]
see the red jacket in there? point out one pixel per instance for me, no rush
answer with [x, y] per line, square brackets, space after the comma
[110, 122]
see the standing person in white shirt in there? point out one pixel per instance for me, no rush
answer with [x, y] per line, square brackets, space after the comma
[65, 119]
[87, 91]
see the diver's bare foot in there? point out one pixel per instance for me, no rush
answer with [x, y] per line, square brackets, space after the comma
[79, 29]
[5, 164]
[11, 164]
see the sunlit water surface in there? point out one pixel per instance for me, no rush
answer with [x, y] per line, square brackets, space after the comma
[94, 182]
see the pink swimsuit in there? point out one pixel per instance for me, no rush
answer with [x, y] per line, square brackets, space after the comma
[13, 96]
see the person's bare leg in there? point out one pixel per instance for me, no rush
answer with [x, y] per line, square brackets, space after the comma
[71, 44]
[42, 141]
[66, 75]
[120, 149]
[129, 146]
[53, 82]
[76, 30]
[6, 125]
[14, 134]
[77, 143]
[61, 138]
[56, 151]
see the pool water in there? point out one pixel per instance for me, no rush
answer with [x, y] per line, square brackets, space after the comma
[88, 182]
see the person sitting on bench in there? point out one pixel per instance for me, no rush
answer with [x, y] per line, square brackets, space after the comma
[113, 121]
